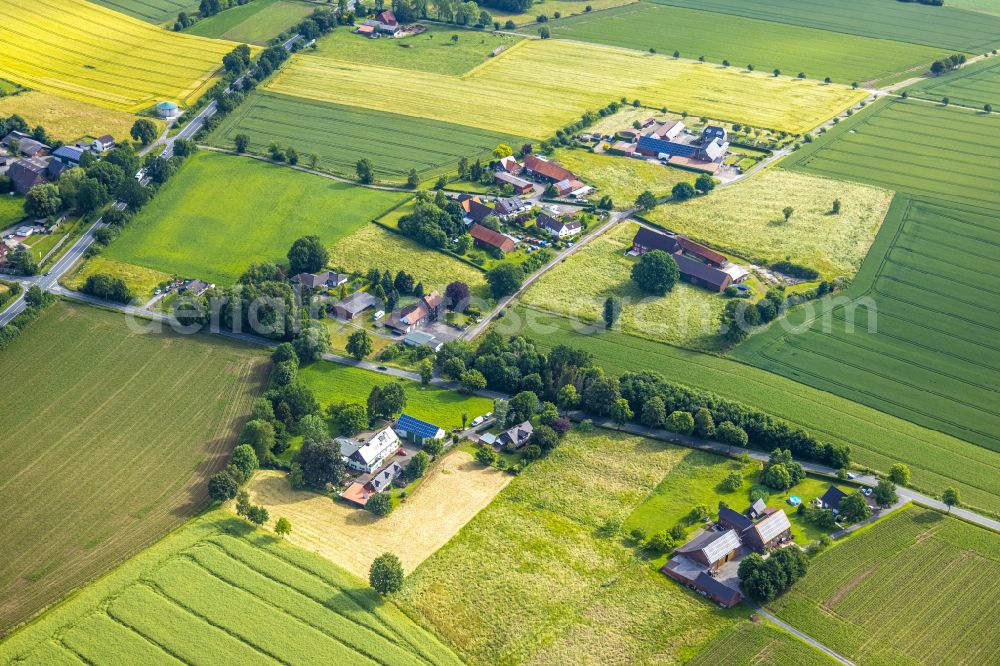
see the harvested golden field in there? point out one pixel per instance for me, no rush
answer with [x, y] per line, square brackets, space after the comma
[747, 219]
[92, 54]
[546, 84]
[68, 119]
[454, 491]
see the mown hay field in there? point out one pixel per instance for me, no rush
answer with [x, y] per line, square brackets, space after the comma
[454, 490]
[257, 22]
[764, 44]
[549, 83]
[333, 383]
[340, 135]
[941, 27]
[688, 316]
[620, 178]
[221, 212]
[152, 11]
[746, 219]
[974, 85]
[919, 587]
[877, 439]
[220, 591]
[107, 445]
[531, 580]
[69, 120]
[913, 147]
[759, 644]
[92, 54]
[927, 350]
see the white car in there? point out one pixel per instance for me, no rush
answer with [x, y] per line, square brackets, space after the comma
[852, 475]
[476, 421]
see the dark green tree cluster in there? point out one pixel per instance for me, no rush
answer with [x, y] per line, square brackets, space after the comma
[225, 485]
[764, 579]
[108, 287]
[781, 472]
[433, 223]
[948, 64]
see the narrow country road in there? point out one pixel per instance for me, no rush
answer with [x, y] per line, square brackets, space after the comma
[808, 639]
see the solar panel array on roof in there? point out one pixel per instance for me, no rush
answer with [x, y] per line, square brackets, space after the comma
[416, 426]
[772, 526]
[718, 548]
[653, 144]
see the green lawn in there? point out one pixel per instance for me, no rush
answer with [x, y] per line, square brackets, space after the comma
[110, 445]
[764, 44]
[257, 22]
[937, 460]
[339, 136]
[11, 210]
[221, 212]
[222, 588]
[974, 85]
[941, 27]
[430, 51]
[332, 382]
[916, 588]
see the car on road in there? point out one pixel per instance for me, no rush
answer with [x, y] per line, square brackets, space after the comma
[476, 421]
[382, 368]
[852, 475]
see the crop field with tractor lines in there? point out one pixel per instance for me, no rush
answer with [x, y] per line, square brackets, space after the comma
[551, 83]
[254, 23]
[340, 135]
[973, 85]
[142, 420]
[152, 11]
[95, 55]
[221, 590]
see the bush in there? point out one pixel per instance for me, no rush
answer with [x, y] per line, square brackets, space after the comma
[379, 504]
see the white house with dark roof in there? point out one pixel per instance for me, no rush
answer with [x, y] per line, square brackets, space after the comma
[369, 453]
[561, 227]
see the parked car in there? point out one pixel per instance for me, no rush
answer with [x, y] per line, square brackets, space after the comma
[382, 368]
[852, 475]
[476, 421]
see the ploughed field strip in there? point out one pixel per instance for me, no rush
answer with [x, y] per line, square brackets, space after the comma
[153, 11]
[940, 27]
[341, 135]
[937, 460]
[93, 54]
[219, 590]
[934, 355]
[550, 83]
[974, 85]
[912, 147]
[112, 440]
[764, 44]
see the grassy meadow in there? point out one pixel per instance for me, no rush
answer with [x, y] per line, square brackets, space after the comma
[109, 446]
[912, 147]
[973, 85]
[688, 316]
[69, 120]
[937, 460]
[195, 227]
[941, 27]
[11, 210]
[621, 178]
[91, 54]
[746, 219]
[141, 281]
[550, 7]
[764, 44]
[339, 136]
[924, 343]
[218, 589]
[549, 83]
[257, 22]
[152, 11]
[431, 51]
[916, 588]
[333, 382]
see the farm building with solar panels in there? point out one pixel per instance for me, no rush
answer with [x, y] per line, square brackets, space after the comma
[418, 431]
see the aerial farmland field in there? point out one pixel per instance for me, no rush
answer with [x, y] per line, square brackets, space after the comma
[153, 11]
[933, 356]
[109, 445]
[877, 439]
[67, 119]
[196, 228]
[941, 27]
[550, 83]
[220, 587]
[914, 147]
[766, 45]
[622, 179]
[254, 23]
[339, 136]
[746, 219]
[753, 644]
[92, 54]
[974, 85]
[918, 586]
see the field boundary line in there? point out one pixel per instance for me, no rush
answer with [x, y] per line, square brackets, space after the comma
[801, 635]
[491, 60]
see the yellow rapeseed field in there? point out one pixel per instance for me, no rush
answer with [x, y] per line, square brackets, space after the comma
[539, 86]
[82, 51]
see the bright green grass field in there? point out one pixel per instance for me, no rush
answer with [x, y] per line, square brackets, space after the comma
[916, 588]
[221, 212]
[219, 590]
[756, 644]
[153, 11]
[341, 135]
[255, 23]
[876, 439]
[974, 85]
[913, 147]
[107, 445]
[430, 51]
[333, 382]
[925, 341]
[621, 178]
[766, 45]
[11, 210]
[940, 27]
